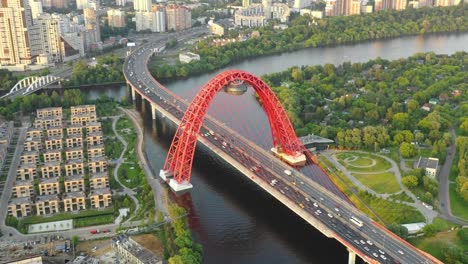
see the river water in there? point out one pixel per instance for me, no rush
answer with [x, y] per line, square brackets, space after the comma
[233, 220]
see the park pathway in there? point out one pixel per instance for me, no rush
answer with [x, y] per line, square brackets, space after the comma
[428, 213]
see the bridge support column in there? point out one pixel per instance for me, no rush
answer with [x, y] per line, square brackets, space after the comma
[180, 187]
[165, 175]
[133, 93]
[351, 257]
[153, 111]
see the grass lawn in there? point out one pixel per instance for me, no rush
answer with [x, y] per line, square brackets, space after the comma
[435, 245]
[458, 206]
[384, 182]
[130, 174]
[94, 220]
[402, 197]
[65, 216]
[363, 160]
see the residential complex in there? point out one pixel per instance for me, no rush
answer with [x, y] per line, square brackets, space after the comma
[160, 18]
[131, 251]
[54, 164]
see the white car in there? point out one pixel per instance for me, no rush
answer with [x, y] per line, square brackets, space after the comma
[369, 242]
[383, 257]
[401, 252]
[329, 215]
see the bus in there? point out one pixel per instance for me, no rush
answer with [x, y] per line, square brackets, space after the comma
[356, 221]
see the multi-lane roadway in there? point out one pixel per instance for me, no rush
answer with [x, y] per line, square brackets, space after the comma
[363, 236]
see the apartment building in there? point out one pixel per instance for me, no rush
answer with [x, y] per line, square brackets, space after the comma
[95, 138]
[74, 183]
[100, 198]
[30, 157]
[48, 186]
[49, 112]
[20, 207]
[99, 180]
[74, 141]
[97, 165]
[47, 204]
[74, 153]
[95, 151]
[34, 133]
[55, 132]
[51, 170]
[26, 172]
[47, 122]
[74, 201]
[74, 167]
[75, 130]
[32, 144]
[93, 127]
[52, 155]
[53, 143]
[23, 189]
[83, 109]
[83, 119]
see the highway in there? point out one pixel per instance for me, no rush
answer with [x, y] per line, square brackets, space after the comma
[372, 242]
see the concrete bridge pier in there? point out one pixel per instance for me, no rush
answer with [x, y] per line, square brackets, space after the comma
[351, 257]
[153, 111]
[133, 93]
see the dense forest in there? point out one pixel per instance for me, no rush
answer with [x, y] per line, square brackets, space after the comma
[305, 31]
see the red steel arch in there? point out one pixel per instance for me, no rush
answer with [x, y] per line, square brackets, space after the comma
[180, 157]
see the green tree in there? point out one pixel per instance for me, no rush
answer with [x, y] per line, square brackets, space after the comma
[410, 181]
[407, 150]
[429, 230]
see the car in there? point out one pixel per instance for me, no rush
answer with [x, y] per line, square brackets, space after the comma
[318, 211]
[375, 255]
[315, 204]
[362, 242]
[355, 241]
[282, 191]
[383, 257]
[307, 199]
[329, 215]
[301, 205]
[381, 252]
[336, 209]
[369, 242]
[401, 252]
[366, 248]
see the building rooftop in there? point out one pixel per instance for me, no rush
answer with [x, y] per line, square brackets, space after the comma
[55, 127]
[49, 118]
[75, 126]
[75, 177]
[73, 149]
[74, 136]
[51, 164]
[83, 115]
[23, 183]
[54, 138]
[47, 197]
[28, 153]
[100, 191]
[31, 139]
[21, 200]
[48, 180]
[93, 124]
[95, 134]
[97, 159]
[98, 146]
[99, 175]
[50, 151]
[27, 166]
[52, 108]
[70, 195]
[311, 138]
[138, 251]
[76, 161]
[431, 163]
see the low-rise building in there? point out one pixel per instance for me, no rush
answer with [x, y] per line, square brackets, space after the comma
[99, 180]
[430, 166]
[51, 170]
[94, 127]
[32, 144]
[74, 201]
[95, 151]
[20, 207]
[30, 157]
[74, 141]
[26, 172]
[75, 130]
[187, 57]
[132, 252]
[49, 112]
[100, 198]
[55, 132]
[48, 186]
[53, 143]
[74, 183]
[52, 155]
[47, 122]
[74, 167]
[83, 119]
[47, 204]
[97, 165]
[34, 133]
[74, 153]
[83, 109]
[23, 189]
[94, 139]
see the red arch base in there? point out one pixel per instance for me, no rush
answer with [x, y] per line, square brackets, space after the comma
[180, 157]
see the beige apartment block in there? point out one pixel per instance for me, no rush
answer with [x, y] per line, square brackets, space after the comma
[97, 165]
[74, 153]
[47, 123]
[74, 167]
[75, 130]
[74, 141]
[23, 189]
[26, 172]
[33, 144]
[52, 155]
[94, 139]
[96, 151]
[20, 207]
[100, 198]
[53, 143]
[83, 109]
[74, 201]
[74, 183]
[99, 180]
[94, 127]
[47, 204]
[51, 170]
[55, 132]
[49, 112]
[48, 186]
[83, 119]
[30, 157]
[34, 133]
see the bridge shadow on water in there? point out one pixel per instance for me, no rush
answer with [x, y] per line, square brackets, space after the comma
[234, 219]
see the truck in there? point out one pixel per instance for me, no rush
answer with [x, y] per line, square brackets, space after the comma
[288, 172]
